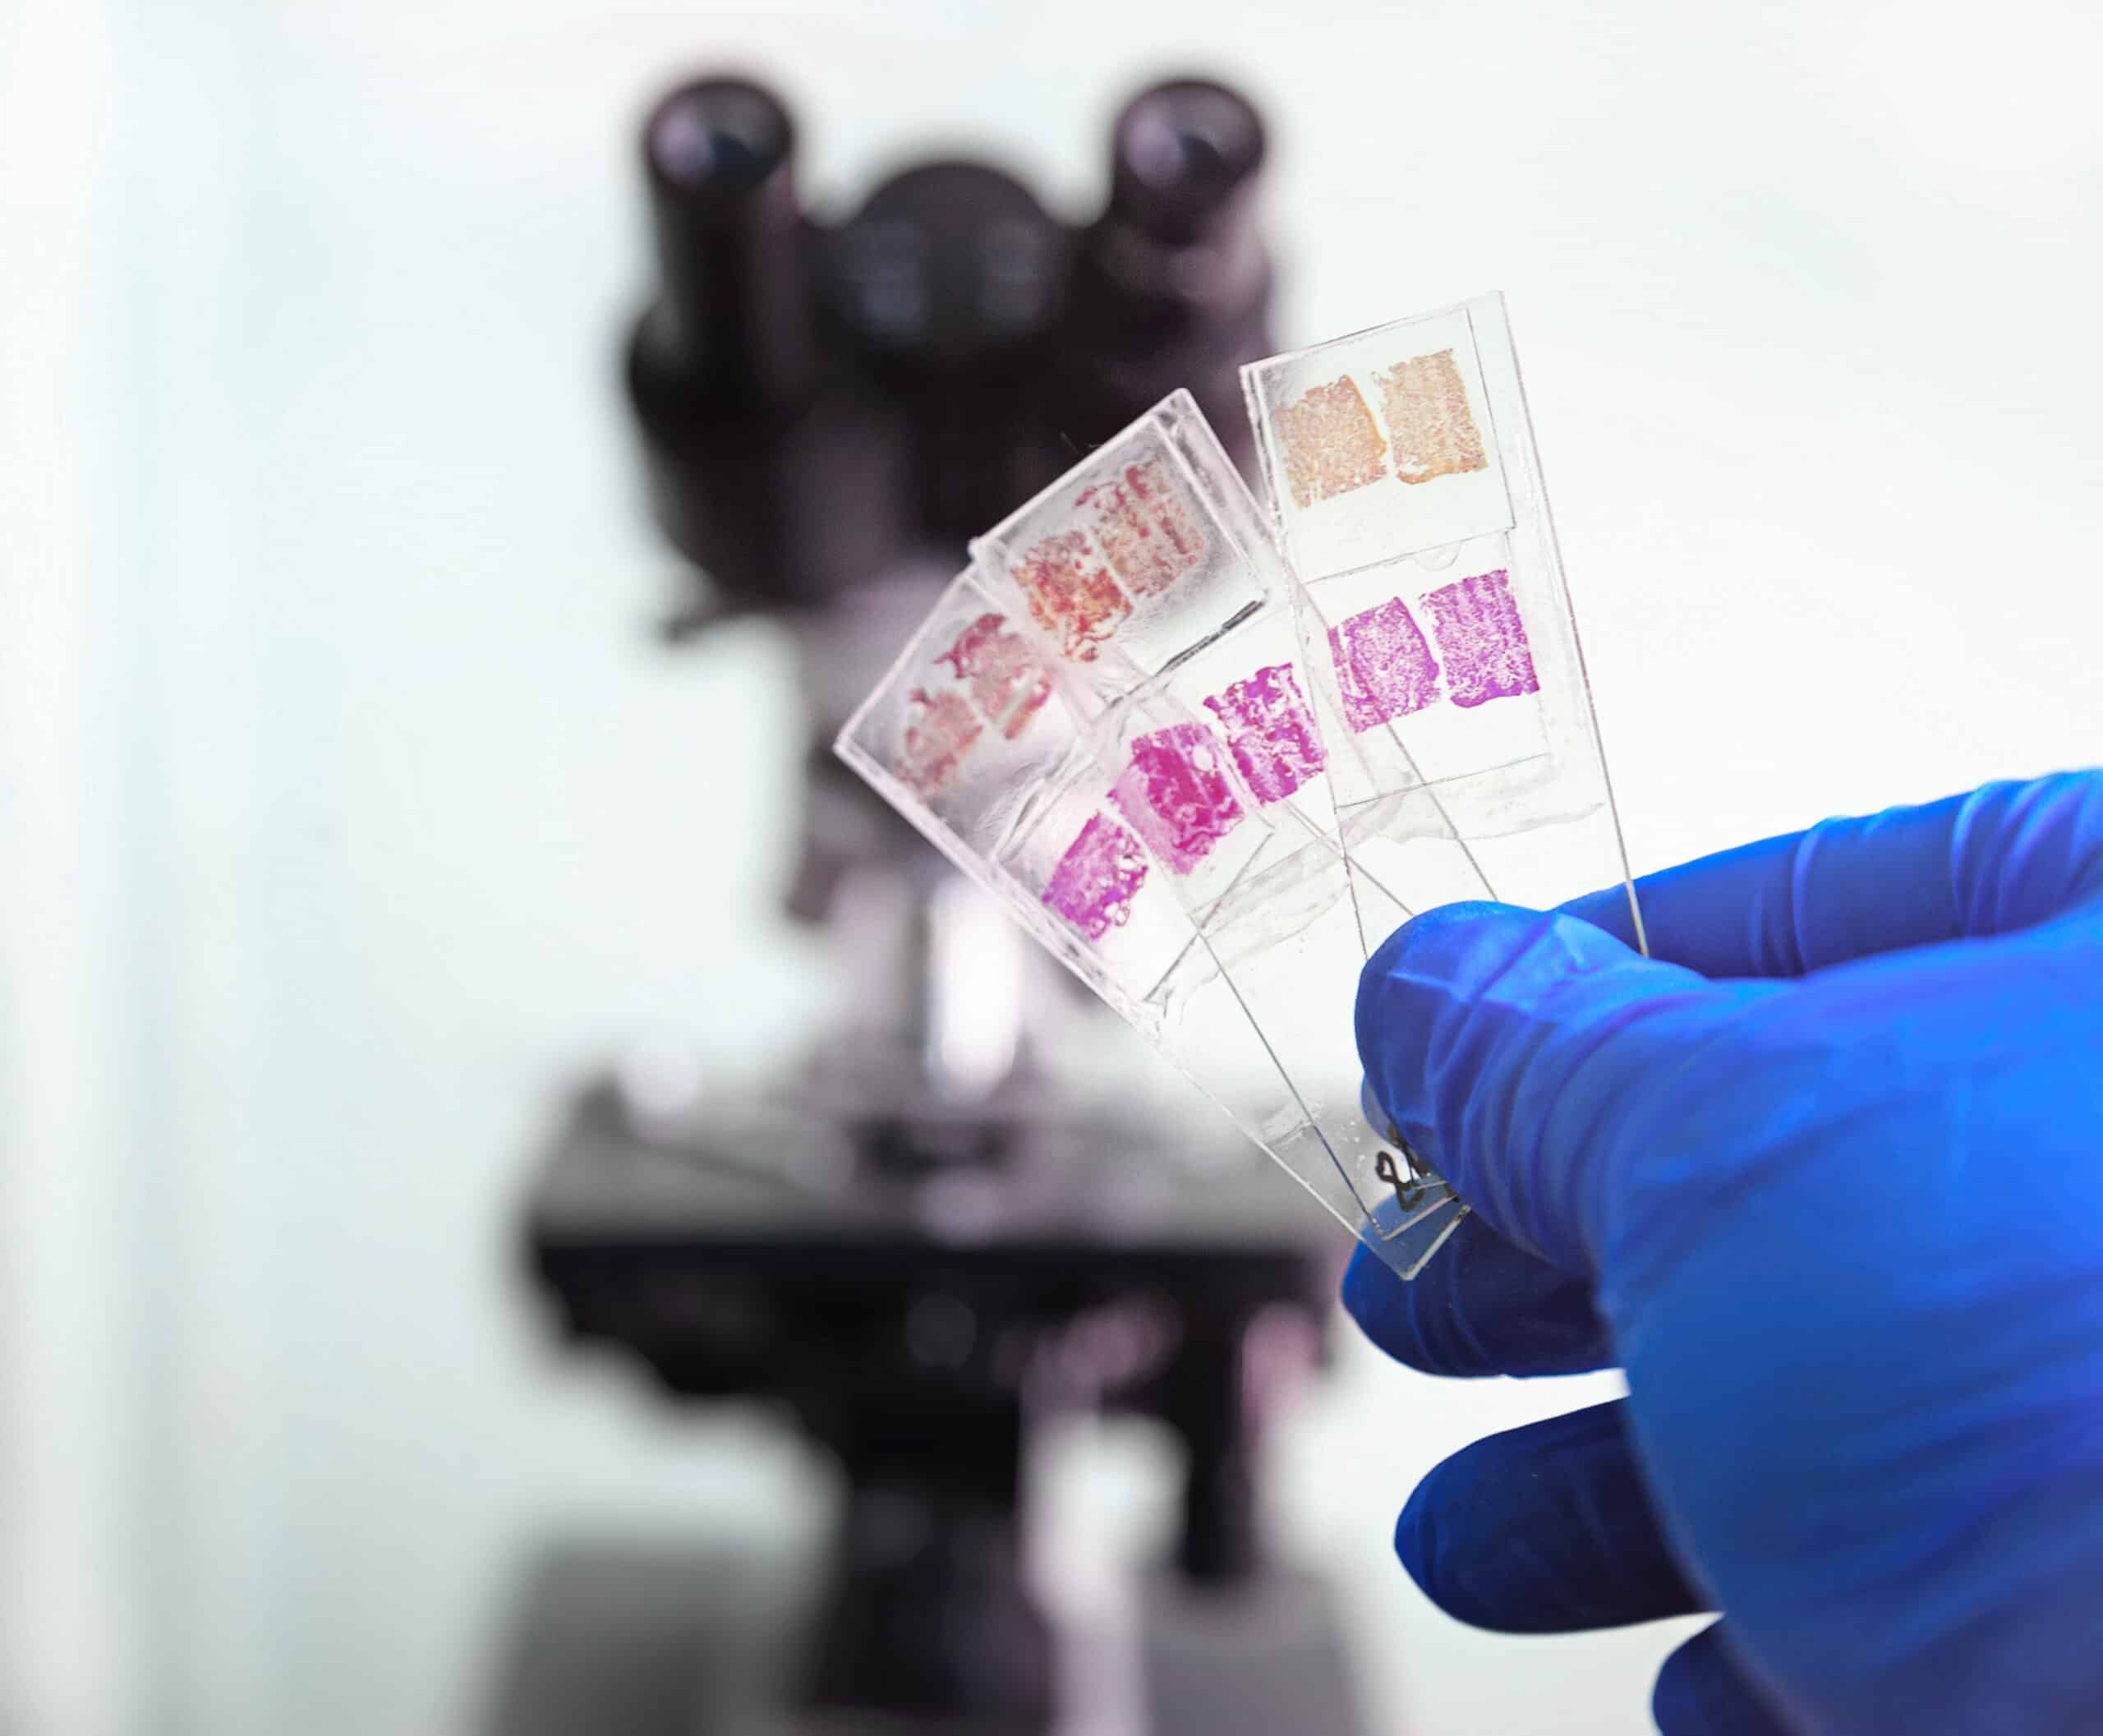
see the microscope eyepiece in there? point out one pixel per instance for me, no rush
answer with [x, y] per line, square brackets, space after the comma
[1184, 155]
[717, 136]
[1171, 284]
[720, 157]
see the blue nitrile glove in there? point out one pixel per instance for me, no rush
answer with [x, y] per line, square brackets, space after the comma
[1826, 1178]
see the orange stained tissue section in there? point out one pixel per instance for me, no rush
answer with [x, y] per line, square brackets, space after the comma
[1332, 445]
[940, 728]
[1426, 406]
[1070, 595]
[1007, 684]
[1147, 527]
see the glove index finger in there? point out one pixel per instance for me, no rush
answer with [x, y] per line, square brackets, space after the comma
[1506, 1043]
[2005, 857]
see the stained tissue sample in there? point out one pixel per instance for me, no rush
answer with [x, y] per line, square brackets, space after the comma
[1147, 527]
[1482, 639]
[1094, 885]
[1331, 444]
[939, 729]
[1008, 685]
[1071, 594]
[1176, 794]
[1269, 731]
[1426, 405]
[1384, 669]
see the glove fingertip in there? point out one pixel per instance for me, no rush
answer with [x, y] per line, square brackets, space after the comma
[1371, 1293]
[1699, 1692]
[1416, 1546]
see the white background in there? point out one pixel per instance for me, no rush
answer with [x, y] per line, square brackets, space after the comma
[346, 809]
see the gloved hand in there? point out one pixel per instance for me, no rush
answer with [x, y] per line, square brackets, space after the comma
[1825, 1176]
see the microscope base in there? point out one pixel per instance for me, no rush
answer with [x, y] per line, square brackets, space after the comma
[638, 1640]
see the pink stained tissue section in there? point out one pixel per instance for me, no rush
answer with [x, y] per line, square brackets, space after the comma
[1482, 639]
[1070, 595]
[1331, 444]
[1094, 885]
[1384, 669]
[1007, 684]
[1270, 732]
[1426, 405]
[1148, 526]
[1177, 795]
[939, 729]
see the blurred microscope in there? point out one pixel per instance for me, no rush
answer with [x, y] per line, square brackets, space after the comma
[959, 1218]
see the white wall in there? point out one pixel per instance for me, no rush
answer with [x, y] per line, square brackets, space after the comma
[346, 809]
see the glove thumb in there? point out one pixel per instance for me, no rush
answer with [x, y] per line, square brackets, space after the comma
[1516, 1051]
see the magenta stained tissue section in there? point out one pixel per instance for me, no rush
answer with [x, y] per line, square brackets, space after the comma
[1482, 639]
[1177, 795]
[1093, 884]
[1270, 732]
[1384, 669]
